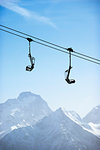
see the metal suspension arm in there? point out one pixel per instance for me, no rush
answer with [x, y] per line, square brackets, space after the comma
[32, 59]
[69, 81]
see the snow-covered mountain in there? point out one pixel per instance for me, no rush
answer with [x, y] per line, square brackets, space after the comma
[58, 131]
[24, 111]
[92, 121]
[27, 123]
[93, 116]
[73, 116]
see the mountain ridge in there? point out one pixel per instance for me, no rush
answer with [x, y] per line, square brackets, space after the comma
[25, 110]
[92, 116]
[55, 131]
[31, 124]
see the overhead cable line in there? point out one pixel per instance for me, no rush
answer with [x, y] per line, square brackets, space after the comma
[13, 33]
[67, 52]
[81, 54]
[58, 49]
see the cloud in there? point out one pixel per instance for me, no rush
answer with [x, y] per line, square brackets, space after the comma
[13, 5]
[42, 19]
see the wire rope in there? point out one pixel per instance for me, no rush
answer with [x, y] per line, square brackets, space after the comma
[81, 54]
[50, 46]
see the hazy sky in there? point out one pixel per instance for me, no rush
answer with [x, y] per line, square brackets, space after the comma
[70, 23]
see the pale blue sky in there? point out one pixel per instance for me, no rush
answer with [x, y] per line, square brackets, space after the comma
[70, 23]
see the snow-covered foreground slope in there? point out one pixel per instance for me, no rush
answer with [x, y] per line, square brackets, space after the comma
[24, 111]
[54, 132]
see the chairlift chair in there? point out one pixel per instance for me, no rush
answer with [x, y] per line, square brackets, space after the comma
[32, 59]
[67, 72]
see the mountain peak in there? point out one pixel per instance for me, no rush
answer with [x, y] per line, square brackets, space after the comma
[93, 116]
[27, 94]
[26, 110]
[70, 114]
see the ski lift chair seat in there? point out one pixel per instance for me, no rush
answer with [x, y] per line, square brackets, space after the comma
[70, 81]
[29, 68]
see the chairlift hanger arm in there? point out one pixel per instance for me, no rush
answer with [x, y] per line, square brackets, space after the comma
[32, 59]
[69, 81]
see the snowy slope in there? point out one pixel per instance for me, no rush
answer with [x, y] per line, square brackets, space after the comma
[57, 131]
[26, 110]
[72, 115]
[92, 120]
[90, 123]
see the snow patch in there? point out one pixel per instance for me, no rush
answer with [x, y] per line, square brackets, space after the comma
[19, 125]
[13, 127]
[96, 107]
[14, 111]
[95, 128]
[2, 132]
[72, 115]
[33, 115]
[0, 123]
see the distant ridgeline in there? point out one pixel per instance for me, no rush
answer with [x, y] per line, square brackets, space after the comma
[27, 123]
